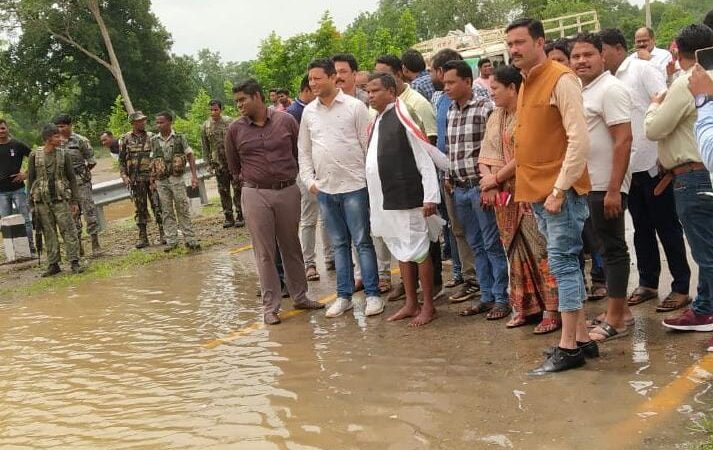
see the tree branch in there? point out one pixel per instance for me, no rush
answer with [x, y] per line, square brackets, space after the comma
[68, 39]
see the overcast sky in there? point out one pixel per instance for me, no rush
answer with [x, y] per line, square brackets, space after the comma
[236, 27]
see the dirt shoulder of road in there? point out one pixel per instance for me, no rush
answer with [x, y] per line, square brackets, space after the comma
[22, 280]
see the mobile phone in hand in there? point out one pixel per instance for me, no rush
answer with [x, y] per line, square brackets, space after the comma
[704, 57]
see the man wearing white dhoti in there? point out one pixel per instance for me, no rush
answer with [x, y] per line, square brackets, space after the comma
[403, 194]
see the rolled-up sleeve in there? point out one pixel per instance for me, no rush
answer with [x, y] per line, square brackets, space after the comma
[567, 96]
[704, 134]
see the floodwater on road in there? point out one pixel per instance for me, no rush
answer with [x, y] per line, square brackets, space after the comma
[133, 362]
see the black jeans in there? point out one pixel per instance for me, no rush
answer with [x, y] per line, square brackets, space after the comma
[611, 234]
[654, 215]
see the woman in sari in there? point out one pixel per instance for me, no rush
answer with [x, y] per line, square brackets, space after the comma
[533, 289]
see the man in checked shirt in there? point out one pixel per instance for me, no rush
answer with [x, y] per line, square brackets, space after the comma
[467, 117]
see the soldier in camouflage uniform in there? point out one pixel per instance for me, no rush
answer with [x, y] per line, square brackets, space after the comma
[169, 153]
[213, 134]
[135, 168]
[53, 194]
[82, 154]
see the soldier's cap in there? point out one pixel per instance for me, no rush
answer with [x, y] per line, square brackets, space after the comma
[136, 115]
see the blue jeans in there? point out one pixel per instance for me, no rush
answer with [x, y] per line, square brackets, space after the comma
[483, 236]
[346, 217]
[695, 211]
[19, 199]
[563, 232]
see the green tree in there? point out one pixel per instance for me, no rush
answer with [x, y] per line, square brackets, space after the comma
[672, 20]
[118, 122]
[191, 125]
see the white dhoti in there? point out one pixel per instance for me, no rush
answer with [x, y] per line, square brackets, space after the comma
[405, 232]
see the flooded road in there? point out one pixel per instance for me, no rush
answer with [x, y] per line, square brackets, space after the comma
[173, 356]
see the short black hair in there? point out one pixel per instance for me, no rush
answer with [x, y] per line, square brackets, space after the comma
[48, 131]
[588, 38]
[392, 61]
[413, 60]
[304, 84]
[347, 58]
[387, 80]
[534, 27]
[561, 44]
[462, 69]
[62, 119]
[507, 75]
[484, 61]
[613, 37]
[272, 90]
[166, 115]
[250, 87]
[215, 102]
[325, 64]
[107, 132]
[443, 56]
[283, 91]
[693, 37]
[708, 20]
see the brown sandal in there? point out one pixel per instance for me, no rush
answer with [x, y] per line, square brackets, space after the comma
[599, 291]
[673, 301]
[312, 274]
[641, 294]
[498, 312]
[548, 325]
[477, 308]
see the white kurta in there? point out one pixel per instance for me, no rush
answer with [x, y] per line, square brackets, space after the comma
[405, 232]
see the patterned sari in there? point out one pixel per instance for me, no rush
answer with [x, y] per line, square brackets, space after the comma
[533, 288]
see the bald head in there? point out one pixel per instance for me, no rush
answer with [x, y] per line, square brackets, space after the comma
[644, 38]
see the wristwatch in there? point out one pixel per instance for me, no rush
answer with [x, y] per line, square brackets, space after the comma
[557, 193]
[702, 99]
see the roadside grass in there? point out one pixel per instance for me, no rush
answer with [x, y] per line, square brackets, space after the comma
[705, 426]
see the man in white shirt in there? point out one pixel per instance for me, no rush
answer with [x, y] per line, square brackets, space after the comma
[607, 108]
[646, 50]
[653, 213]
[332, 157]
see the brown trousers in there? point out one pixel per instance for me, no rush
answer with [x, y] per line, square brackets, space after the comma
[273, 217]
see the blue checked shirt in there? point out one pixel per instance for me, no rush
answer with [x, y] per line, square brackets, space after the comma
[465, 133]
[423, 85]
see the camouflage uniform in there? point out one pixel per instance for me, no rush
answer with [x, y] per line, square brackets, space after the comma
[213, 139]
[135, 163]
[53, 186]
[168, 164]
[82, 155]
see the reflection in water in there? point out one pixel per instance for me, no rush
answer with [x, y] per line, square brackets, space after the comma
[123, 363]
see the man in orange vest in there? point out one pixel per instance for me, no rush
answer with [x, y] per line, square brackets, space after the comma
[551, 146]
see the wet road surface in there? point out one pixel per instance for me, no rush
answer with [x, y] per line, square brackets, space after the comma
[173, 356]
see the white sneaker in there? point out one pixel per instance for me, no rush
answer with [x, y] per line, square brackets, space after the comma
[374, 306]
[339, 307]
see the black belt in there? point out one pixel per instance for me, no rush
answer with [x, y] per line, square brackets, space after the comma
[273, 186]
[466, 184]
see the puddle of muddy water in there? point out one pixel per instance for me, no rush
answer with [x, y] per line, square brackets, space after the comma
[122, 363]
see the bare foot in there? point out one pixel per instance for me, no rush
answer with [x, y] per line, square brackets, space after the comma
[404, 312]
[425, 316]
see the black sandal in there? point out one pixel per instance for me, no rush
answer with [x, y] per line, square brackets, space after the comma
[498, 312]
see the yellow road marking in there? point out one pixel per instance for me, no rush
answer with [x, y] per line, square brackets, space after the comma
[260, 325]
[235, 251]
[667, 400]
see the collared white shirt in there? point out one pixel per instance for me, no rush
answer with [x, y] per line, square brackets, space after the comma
[606, 103]
[659, 58]
[643, 81]
[332, 145]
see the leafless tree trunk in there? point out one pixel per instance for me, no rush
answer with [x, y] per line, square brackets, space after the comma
[113, 65]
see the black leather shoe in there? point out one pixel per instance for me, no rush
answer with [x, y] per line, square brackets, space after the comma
[272, 319]
[559, 361]
[76, 268]
[309, 304]
[590, 350]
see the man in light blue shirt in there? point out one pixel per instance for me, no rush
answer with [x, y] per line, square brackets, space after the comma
[701, 86]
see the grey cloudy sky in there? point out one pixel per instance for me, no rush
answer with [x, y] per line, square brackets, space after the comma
[236, 27]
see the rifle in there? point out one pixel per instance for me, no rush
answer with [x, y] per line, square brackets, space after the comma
[37, 225]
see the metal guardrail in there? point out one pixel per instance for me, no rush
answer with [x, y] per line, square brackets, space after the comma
[108, 192]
